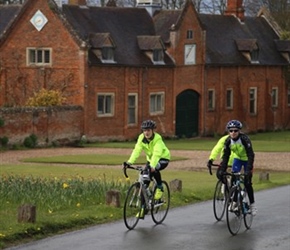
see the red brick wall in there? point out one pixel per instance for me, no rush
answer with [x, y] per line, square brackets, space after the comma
[18, 82]
[50, 124]
[241, 79]
[121, 81]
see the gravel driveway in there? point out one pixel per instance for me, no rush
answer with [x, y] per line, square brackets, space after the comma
[196, 159]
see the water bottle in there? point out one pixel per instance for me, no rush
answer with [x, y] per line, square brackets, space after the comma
[145, 176]
[148, 191]
[244, 196]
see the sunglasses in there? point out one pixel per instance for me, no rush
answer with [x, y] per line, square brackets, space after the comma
[233, 130]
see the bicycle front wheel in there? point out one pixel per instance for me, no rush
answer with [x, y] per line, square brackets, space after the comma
[160, 207]
[132, 206]
[234, 212]
[248, 216]
[219, 200]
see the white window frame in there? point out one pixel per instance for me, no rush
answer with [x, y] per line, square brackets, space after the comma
[132, 109]
[274, 97]
[189, 34]
[229, 98]
[156, 103]
[253, 100]
[107, 109]
[108, 54]
[38, 56]
[211, 99]
[190, 54]
[158, 56]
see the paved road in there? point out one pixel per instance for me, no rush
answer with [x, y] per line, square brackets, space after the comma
[189, 228]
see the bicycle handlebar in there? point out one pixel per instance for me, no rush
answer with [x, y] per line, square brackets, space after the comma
[215, 165]
[139, 168]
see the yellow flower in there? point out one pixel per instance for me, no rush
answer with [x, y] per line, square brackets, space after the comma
[65, 185]
[2, 235]
[78, 204]
[49, 211]
[111, 215]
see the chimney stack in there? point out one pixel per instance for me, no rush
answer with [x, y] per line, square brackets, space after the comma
[235, 7]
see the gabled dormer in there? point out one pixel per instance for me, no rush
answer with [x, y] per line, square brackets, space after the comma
[283, 46]
[153, 48]
[103, 46]
[249, 48]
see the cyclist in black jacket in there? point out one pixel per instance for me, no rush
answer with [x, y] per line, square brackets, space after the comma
[241, 145]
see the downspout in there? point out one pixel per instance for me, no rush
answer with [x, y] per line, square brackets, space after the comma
[204, 83]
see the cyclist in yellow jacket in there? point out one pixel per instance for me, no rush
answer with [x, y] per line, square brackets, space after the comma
[218, 150]
[241, 145]
[157, 154]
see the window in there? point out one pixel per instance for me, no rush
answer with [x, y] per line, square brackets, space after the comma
[229, 99]
[132, 108]
[158, 55]
[274, 96]
[105, 104]
[211, 99]
[38, 56]
[107, 54]
[189, 54]
[253, 101]
[254, 54]
[189, 34]
[156, 103]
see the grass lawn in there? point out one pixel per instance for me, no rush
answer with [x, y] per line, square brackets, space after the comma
[69, 198]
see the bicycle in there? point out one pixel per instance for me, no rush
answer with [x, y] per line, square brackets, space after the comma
[140, 195]
[220, 197]
[238, 205]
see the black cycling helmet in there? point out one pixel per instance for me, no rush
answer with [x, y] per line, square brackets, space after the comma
[234, 124]
[148, 124]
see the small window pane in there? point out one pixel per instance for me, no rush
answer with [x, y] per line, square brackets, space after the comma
[253, 104]
[229, 99]
[211, 99]
[157, 103]
[274, 97]
[105, 104]
[132, 109]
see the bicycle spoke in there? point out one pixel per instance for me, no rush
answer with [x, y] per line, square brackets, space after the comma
[234, 213]
[160, 207]
[248, 217]
[132, 206]
[219, 200]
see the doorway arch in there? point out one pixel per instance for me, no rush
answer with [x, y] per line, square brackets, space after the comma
[187, 110]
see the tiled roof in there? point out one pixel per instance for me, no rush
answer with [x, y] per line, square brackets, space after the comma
[99, 40]
[164, 21]
[124, 26]
[7, 13]
[283, 45]
[150, 42]
[222, 32]
[246, 44]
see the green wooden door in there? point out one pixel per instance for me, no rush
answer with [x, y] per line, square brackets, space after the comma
[187, 114]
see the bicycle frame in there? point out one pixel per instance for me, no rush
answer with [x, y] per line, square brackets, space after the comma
[138, 200]
[238, 205]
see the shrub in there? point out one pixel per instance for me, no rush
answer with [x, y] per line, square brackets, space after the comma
[1, 122]
[4, 141]
[46, 98]
[30, 141]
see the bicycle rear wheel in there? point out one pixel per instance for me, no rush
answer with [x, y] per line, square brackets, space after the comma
[132, 206]
[219, 200]
[248, 217]
[159, 208]
[234, 212]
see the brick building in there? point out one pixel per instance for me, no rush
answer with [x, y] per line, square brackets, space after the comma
[190, 72]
